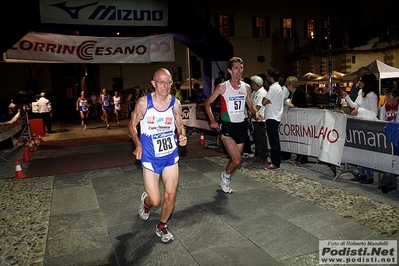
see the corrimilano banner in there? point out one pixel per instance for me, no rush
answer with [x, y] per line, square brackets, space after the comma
[55, 48]
[317, 133]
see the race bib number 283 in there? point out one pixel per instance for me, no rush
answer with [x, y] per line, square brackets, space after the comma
[164, 143]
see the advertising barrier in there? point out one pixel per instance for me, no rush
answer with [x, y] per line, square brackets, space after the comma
[10, 128]
[329, 135]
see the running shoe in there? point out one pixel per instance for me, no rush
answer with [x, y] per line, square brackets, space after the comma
[84, 127]
[272, 167]
[164, 234]
[83, 123]
[144, 212]
[225, 183]
[108, 127]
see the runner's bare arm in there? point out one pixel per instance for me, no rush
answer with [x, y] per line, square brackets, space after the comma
[250, 104]
[219, 90]
[181, 129]
[138, 113]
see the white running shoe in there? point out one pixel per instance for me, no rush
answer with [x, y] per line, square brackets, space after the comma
[84, 127]
[144, 213]
[164, 234]
[225, 183]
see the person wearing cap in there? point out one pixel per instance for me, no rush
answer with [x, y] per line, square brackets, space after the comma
[259, 133]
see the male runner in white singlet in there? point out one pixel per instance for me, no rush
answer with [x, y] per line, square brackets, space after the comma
[234, 96]
[159, 115]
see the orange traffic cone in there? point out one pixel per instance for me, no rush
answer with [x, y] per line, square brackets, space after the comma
[26, 156]
[18, 171]
[202, 138]
[30, 147]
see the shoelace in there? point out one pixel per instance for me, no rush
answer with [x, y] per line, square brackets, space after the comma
[164, 229]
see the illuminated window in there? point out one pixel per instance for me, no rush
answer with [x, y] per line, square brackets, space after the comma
[310, 28]
[261, 27]
[225, 23]
[287, 28]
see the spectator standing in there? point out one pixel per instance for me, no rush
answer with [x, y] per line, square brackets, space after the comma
[313, 94]
[158, 112]
[389, 112]
[297, 100]
[179, 93]
[273, 114]
[132, 99]
[286, 94]
[234, 95]
[355, 83]
[259, 133]
[365, 107]
[45, 111]
[82, 106]
[220, 79]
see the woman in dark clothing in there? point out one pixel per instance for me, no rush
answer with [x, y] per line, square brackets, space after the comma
[297, 100]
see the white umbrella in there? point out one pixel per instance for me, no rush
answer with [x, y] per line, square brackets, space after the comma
[185, 85]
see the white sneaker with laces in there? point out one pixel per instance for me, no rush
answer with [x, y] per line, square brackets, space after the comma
[164, 234]
[143, 212]
[225, 183]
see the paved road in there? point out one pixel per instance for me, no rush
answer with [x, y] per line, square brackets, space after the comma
[92, 218]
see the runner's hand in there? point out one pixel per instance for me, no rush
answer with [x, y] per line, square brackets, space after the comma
[182, 140]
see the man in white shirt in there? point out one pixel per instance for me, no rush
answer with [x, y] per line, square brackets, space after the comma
[259, 133]
[45, 111]
[273, 113]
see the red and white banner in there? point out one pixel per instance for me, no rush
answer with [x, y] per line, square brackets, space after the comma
[10, 128]
[105, 12]
[317, 133]
[55, 48]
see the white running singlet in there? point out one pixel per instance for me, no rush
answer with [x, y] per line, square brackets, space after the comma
[158, 136]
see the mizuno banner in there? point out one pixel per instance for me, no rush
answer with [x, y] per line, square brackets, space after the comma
[105, 12]
[55, 48]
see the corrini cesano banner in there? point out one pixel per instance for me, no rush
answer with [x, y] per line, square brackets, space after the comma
[55, 48]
